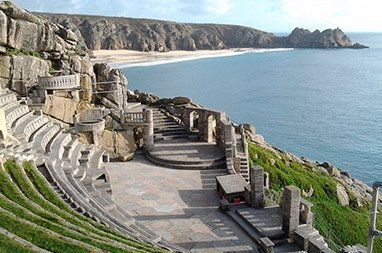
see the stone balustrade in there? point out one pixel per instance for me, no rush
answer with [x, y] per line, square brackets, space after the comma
[69, 82]
[135, 117]
[7, 98]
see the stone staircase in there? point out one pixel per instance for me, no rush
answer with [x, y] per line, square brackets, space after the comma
[309, 239]
[75, 171]
[166, 128]
[174, 149]
[241, 157]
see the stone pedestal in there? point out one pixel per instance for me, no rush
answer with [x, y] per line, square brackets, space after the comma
[290, 205]
[257, 186]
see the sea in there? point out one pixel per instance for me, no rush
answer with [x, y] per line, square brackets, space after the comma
[323, 104]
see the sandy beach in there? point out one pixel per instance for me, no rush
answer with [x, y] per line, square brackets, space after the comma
[129, 58]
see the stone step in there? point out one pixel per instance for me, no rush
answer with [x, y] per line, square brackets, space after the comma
[172, 133]
[170, 129]
[165, 124]
[155, 155]
[185, 165]
[167, 138]
[275, 235]
[248, 229]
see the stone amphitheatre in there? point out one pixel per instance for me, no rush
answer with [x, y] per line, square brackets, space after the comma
[88, 166]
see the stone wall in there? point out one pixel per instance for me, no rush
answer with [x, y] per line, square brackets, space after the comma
[206, 124]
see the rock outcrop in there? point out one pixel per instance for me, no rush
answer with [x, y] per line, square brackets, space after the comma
[303, 38]
[99, 32]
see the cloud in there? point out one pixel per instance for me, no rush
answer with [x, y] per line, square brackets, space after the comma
[351, 14]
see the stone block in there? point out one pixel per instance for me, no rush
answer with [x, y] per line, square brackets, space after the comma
[257, 186]
[290, 209]
[266, 245]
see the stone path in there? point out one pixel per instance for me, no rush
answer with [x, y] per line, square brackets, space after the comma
[179, 205]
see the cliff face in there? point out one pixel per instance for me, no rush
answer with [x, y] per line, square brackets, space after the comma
[99, 32]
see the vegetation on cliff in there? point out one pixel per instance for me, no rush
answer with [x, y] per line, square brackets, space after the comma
[340, 225]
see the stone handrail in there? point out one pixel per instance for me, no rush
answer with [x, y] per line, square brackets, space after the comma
[59, 82]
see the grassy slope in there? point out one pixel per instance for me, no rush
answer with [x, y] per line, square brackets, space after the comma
[30, 209]
[340, 225]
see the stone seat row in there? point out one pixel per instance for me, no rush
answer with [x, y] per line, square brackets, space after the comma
[75, 170]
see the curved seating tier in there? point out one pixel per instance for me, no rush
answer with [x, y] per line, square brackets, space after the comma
[74, 170]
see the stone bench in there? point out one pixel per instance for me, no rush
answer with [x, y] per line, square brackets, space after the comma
[76, 155]
[57, 146]
[15, 112]
[69, 147]
[25, 128]
[42, 139]
[23, 118]
[7, 97]
[33, 136]
[33, 127]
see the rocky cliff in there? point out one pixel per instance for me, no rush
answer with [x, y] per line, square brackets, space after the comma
[97, 32]
[31, 46]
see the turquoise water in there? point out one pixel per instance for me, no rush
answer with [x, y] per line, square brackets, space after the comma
[321, 104]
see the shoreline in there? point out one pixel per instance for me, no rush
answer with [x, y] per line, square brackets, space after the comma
[131, 58]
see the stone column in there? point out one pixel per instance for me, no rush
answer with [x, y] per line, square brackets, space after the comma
[148, 135]
[257, 186]
[290, 209]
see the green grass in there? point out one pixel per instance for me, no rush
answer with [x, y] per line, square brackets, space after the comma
[30, 209]
[22, 51]
[340, 225]
[8, 245]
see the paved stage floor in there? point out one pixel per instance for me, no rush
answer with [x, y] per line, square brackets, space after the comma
[179, 205]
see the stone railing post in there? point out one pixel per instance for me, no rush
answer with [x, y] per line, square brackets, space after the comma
[257, 186]
[290, 204]
[148, 135]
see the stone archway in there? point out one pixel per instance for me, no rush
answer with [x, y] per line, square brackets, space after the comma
[211, 128]
[194, 122]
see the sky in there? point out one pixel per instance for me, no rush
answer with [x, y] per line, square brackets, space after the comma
[268, 15]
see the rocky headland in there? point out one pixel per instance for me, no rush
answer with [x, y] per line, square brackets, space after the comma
[115, 33]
